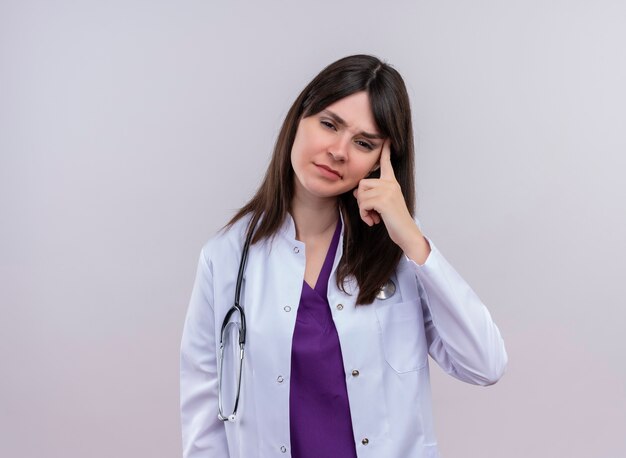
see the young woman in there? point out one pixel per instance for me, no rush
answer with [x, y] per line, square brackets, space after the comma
[342, 295]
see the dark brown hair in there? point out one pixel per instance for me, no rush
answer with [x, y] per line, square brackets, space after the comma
[369, 254]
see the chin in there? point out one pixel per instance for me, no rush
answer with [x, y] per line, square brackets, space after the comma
[321, 188]
[323, 192]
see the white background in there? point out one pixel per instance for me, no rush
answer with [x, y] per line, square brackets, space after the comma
[131, 130]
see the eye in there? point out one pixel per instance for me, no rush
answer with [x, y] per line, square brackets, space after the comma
[328, 124]
[364, 144]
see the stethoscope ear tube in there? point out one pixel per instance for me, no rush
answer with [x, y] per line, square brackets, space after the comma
[242, 268]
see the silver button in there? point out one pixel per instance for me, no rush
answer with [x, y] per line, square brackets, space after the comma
[365, 441]
[387, 290]
[280, 379]
[339, 306]
[283, 449]
[287, 308]
[296, 250]
[355, 373]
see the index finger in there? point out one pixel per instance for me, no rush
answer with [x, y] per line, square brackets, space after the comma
[386, 169]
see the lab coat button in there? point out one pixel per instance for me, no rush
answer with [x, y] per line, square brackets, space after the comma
[296, 250]
[287, 308]
[280, 379]
[365, 441]
[283, 449]
[355, 373]
[339, 306]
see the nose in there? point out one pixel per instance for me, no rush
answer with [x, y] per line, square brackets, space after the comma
[338, 150]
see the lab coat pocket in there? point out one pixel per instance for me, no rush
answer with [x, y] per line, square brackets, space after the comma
[402, 334]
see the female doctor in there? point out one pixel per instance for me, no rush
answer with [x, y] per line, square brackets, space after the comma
[342, 295]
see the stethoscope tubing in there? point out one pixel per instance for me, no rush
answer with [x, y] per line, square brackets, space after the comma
[242, 329]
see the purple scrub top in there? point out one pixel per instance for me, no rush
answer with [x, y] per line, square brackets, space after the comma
[319, 411]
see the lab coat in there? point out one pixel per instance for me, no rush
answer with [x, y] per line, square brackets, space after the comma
[385, 348]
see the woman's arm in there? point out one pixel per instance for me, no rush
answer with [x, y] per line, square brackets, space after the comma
[203, 434]
[461, 335]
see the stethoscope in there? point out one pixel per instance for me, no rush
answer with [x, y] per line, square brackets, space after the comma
[235, 309]
[385, 292]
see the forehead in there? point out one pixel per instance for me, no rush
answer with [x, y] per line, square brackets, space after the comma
[356, 111]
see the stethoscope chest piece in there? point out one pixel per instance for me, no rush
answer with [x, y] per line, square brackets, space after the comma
[387, 290]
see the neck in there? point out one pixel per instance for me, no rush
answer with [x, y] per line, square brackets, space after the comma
[313, 217]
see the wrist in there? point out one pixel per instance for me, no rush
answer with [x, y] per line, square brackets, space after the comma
[416, 247]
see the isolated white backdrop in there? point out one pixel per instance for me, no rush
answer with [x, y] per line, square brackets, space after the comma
[131, 130]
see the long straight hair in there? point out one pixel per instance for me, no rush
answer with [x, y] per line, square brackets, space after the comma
[369, 254]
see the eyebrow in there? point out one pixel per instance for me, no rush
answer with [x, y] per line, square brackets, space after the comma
[339, 120]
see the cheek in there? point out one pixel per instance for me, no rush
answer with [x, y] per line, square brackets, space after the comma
[357, 175]
[367, 167]
[296, 150]
[300, 145]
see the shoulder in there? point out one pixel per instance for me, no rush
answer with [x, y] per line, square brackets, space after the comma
[227, 242]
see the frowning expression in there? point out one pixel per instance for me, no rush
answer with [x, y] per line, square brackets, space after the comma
[336, 148]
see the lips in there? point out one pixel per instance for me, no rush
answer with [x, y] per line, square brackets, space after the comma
[328, 169]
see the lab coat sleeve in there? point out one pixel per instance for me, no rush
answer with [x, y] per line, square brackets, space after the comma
[461, 335]
[203, 435]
